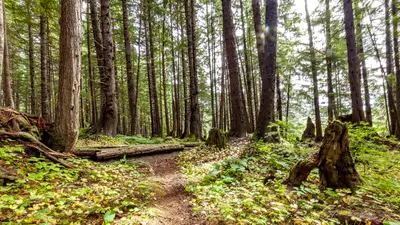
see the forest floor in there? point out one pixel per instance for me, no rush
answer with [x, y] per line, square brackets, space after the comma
[171, 205]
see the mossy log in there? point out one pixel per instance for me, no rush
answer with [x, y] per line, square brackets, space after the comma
[28, 130]
[334, 161]
[216, 138]
[109, 153]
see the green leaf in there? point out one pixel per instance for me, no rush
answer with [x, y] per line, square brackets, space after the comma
[109, 217]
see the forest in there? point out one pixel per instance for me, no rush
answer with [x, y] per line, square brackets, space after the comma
[184, 112]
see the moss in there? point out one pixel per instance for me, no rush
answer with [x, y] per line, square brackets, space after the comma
[216, 138]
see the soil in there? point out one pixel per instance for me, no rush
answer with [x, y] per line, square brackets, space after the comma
[172, 206]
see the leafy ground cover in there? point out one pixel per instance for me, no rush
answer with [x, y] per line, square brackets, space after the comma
[91, 193]
[245, 185]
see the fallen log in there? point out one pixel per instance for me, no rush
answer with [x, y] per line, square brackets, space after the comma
[137, 150]
[191, 144]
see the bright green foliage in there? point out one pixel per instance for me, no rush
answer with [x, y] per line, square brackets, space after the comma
[230, 187]
[51, 194]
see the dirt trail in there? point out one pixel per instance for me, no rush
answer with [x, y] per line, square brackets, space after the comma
[172, 206]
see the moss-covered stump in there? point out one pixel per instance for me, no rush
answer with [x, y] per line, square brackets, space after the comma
[334, 161]
[216, 138]
[309, 132]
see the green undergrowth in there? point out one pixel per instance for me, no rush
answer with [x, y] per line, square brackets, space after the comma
[228, 186]
[90, 193]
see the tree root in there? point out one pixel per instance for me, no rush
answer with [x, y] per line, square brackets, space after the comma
[33, 143]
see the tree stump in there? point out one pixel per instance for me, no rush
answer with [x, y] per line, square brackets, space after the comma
[334, 161]
[309, 132]
[216, 138]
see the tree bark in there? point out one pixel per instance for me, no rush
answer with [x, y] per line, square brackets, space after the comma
[7, 82]
[389, 70]
[67, 111]
[32, 70]
[279, 97]
[164, 76]
[135, 111]
[2, 40]
[353, 62]
[334, 161]
[90, 74]
[155, 114]
[238, 119]
[314, 72]
[396, 61]
[195, 126]
[259, 33]
[249, 90]
[266, 113]
[186, 129]
[361, 55]
[213, 116]
[129, 66]
[43, 68]
[109, 109]
[332, 110]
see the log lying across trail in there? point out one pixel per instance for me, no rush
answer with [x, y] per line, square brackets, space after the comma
[110, 152]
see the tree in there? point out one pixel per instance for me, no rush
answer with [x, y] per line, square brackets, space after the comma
[389, 69]
[266, 113]
[238, 126]
[195, 126]
[67, 111]
[154, 108]
[109, 109]
[2, 38]
[129, 67]
[353, 62]
[396, 61]
[43, 68]
[248, 72]
[7, 82]
[332, 110]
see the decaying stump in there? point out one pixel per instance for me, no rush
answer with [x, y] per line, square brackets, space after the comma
[309, 132]
[334, 161]
[216, 138]
[28, 130]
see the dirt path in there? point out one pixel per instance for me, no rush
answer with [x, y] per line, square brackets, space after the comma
[172, 206]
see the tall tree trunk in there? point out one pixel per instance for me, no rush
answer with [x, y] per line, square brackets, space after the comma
[249, 90]
[279, 95]
[67, 111]
[164, 79]
[266, 113]
[213, 116]
[396, 61]
[49, 77]
[32, 70]
[389, 70]
[332, 110]
[222, 109]
[195, 126]
[314, 72]
[259, 33]
[361, 55]
[136, 97]
[2, 40]
[238, 119]
[109, 109]
[90, 74]
[353, 62]
[176, 83]
[155, 114]
[129, 66]
[98, 43]
[7, 82]
[186, 129]
[43, 68]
